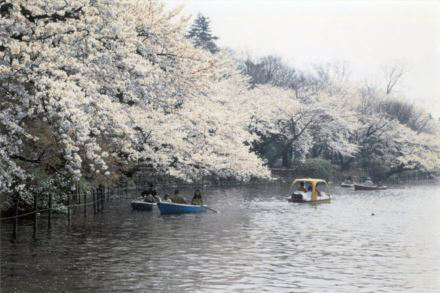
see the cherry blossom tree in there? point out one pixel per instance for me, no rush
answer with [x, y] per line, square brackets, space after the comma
[296, 126]
[93, 87]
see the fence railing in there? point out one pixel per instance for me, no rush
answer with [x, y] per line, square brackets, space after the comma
[83, 202]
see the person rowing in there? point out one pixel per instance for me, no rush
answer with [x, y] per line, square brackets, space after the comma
[150, 195]
[176, 198]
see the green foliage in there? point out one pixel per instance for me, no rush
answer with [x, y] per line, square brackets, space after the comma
[43, 186]
[376, 169]
[201, 36]
[316, 168]
[5, 201]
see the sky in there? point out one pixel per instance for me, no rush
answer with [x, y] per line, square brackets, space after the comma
[367, 35]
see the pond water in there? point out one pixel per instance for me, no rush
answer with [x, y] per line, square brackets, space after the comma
[380, 241]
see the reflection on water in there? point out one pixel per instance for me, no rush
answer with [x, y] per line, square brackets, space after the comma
[385, 241]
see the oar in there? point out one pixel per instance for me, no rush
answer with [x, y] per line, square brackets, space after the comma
[210, 209]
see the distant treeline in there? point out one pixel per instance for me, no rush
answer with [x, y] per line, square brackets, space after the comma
[389, 135]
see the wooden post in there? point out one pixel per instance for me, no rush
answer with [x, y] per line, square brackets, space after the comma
[68, 208]
[34, 235]
[78, 193]
[94, 201]
[101, 199]
[15, 228]
[97, 200]
[49, 212]
[126, 188]
[85, 204]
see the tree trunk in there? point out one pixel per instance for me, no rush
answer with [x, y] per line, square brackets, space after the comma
[287, 157]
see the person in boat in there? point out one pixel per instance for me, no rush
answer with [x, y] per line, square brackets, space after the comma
[176, 198]
[167, 198]
[368, 181]
[317, 190]
[308, 194]
[150, 195]
[301, 187]
[197, 198]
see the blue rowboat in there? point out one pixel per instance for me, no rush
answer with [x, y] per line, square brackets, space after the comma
[140, 204]
[166, 208]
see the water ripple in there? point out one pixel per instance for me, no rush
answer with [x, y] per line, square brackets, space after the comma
[383, 241]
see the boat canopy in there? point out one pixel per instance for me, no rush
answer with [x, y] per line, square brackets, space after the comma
[310, 180]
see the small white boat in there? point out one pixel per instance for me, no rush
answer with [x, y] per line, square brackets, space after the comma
[369, 185]
[347, 185]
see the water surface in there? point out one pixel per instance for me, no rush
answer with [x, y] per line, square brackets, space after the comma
[385, 241]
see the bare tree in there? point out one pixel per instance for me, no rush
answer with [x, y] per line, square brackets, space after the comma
[263, 70]
[274, 71]
[369, 97]
[337, 71]
[393, 75]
